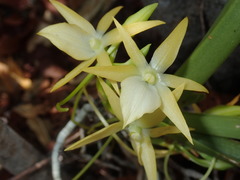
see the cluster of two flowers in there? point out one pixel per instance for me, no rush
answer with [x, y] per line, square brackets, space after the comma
[144, 98]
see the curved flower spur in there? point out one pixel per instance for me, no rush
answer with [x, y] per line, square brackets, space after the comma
[80, 40]
[145, 87]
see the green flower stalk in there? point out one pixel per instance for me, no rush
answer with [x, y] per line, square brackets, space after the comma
[145, 87]
[79, 39]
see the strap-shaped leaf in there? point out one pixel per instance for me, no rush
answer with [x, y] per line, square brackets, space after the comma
[224, 126]
[219, 147]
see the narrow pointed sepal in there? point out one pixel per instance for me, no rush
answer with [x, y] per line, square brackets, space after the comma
[170, 107]
[135, 54]
[72, 17]
[177, 92]
[107, 20]
[175, 81]
[115, 73]
[113, 37]
[105, 132]
[76, 71]
[167, 52]
[149, 120]
[113, 99]
[103, 59]
[161, 131]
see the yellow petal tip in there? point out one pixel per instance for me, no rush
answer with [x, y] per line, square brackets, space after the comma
[72, 147]
[68, 149]
[55, 87]
[190, 139]
[52, 90]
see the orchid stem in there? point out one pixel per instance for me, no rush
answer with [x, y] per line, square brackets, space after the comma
[209, 169]
[75, 105]
[83, 83]
[93, 159]
[165, 167]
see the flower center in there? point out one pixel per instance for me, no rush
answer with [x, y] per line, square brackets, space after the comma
[150, 77]
[95, 44]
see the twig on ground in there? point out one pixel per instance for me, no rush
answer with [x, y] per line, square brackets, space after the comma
[32, 169]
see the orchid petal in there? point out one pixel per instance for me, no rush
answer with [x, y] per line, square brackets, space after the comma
[70, 39]
[113, 99]
[138, 27]
[131, 47]
[171, 109]
[174, 81]
[115, 86]
[113, 37]
[148, 157]
[106, 131]
[177, 92]
[137, 98]
[73, 18]
[149, 120]
[167, 52]
[103, 59]
[161, 131]
[107, 20]
[77, 70]
[115, 73]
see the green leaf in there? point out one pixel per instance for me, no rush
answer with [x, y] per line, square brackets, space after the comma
[222, 148]
[205, 160]
[217, 45]
[224, 110]
[219, 147]
[224, 126]
[142, 15]
[213, 50]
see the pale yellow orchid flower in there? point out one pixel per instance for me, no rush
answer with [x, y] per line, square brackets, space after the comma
[145, 87]
[142, 145]
[80, 40]
[140, 131]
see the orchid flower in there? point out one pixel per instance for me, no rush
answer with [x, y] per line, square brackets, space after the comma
[145, 87]
[140, 131]
[80, 40]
